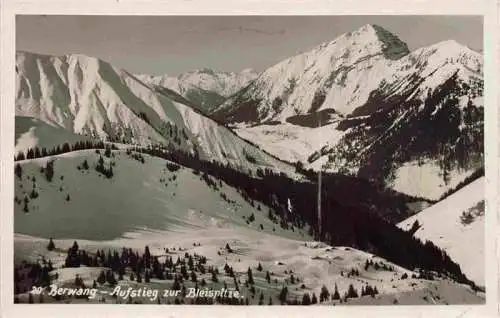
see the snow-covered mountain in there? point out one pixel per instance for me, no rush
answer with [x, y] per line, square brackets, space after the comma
[342, 74]
[456, 224]
[90, 97]
[380, 106]
[331, 76]
[205, 88]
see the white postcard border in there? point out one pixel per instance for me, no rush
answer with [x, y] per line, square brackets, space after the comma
[10, 8]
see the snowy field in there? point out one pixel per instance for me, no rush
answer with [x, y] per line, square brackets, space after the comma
[426, 180]
[291, 142]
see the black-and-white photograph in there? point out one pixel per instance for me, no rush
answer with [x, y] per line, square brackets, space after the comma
[249, 160]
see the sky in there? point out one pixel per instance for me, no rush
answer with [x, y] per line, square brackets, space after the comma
[175, 44]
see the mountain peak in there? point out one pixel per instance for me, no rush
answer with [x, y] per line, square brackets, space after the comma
[392, 47]
[374, 39]
[248, 71]
[452, 46]
[205, 70]
[368, 28]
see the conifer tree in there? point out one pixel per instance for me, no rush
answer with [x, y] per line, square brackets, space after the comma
[250, 276]
[74, 247]
[314, 300]
[49, 170]
[268, 277]
[110, 278]
[214, 277]
[236, 285]
[102, 278]
[324, 295]
[18, 171]
[51, 245]
[336, 295]
[306, 299]
[20, 156]
[283, 294]
[261, 299]
[78, 281]
[351, 292]
[33, 193]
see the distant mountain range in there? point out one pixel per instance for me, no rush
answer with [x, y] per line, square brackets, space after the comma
[88, 97]
[205, 88]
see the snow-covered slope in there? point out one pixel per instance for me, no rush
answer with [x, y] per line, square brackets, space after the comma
[90, 97]
[148, 204]
[138, 196]
[425, 179]
[31, 132]
[367, 91]
[205, 88]
[456, 224]
[290, 142]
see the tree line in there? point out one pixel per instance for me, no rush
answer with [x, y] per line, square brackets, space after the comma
[37, 152]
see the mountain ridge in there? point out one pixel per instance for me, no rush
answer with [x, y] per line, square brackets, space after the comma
[316, 80]
[88, 96]
[204, 87]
